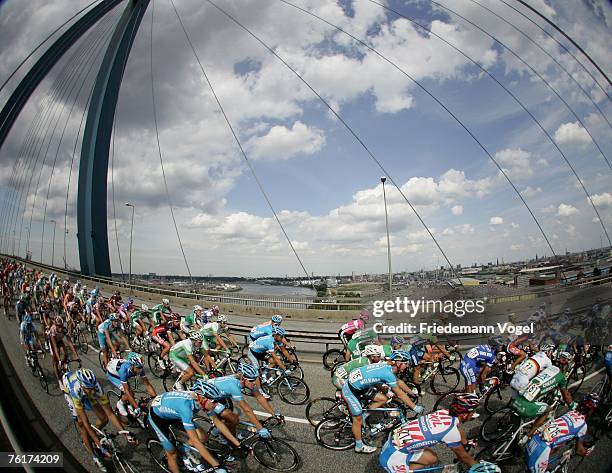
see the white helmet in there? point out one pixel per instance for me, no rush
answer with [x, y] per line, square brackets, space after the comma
[371, 350]
[222, 318]
[166, 301]
[144, 307]
[197, 307]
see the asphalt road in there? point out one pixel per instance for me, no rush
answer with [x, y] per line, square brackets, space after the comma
[297, 431]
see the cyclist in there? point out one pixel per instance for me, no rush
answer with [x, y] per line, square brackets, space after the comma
[265, 328]
[164, 334]
[183, 356]
[359, 341]
[126, 309]
[531, 401]
[119, 372]
[82, 393]
[556, 432]
[28, 334]
[137, 320]
[189, 322]
[164, 307]
[371, 354]
[210, 340]
[224, 329]
[470, 366]
[515, 345]
[109, 334]
[262, 349]
[531, 367]
[408, 446]
[177, 409]
[348, 329]
[232, 387]
[58, 341]
[21, 307]
[357, 389]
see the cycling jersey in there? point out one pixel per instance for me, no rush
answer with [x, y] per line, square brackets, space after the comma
[407, 442]
[229, 387]
[341, 372]
[182, 350]
[262, 344]
[360, 339]
[260, 331]
[161, 308]
[156, 317]
[473, 359]
[27, 333]
[361, 379]
[106, 326]
[188, 322]
[528, 369]
[608, 362]
[529, 403]
[210, 329]
[138, 315]
[57, 334]
[352, 326]
[77, 398]
[120, 371]
[553, 434]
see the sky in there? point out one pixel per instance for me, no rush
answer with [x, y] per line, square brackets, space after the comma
[314, 144]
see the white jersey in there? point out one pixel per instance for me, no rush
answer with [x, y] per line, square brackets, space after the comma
[529, 369]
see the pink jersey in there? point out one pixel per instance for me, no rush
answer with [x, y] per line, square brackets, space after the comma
[352, 326]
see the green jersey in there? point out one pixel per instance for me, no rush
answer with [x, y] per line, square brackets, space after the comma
[545, 382]
[161, 308]
[138, 315]
[182, 350]
[342, 371]
[157, 317]
[210, 329]
[188, 322]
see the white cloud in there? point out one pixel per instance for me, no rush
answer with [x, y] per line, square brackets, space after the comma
[572, 134]
[516, 162]
[566, 210]
[529, 192]
[282, 143]
[457, 210]
[516, 247]
[602, 200]
[496, 221]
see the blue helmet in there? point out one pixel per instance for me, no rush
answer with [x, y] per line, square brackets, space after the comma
[135, 359]
[248, 371]
[278, 331]
[397, 340]
[277, 319]
[484, 467]
[27, 318]
[400, 355]
[87, 378]
[205, 389]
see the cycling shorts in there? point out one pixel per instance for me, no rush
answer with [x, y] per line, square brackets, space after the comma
[537, 452]
[528, 409]
[161, 427]
[468, 372]
[160, 335]
[180, 363]
[102, 339]
[257, 357]
[393, 460]
[27, 340]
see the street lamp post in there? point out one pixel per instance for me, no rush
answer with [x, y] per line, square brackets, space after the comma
[131, 235]
[383, 179]
[53, 246]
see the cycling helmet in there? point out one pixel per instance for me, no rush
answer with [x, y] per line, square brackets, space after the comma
[144, 308]
[135, 359]
[496, 341]
[248, 371]
[484, 467]
[215, 309]
[397, 340]
[166, 301]
[546, 347]
[371, 350]
[113, 316]
[278, 331]
[401, 356]
[542, 306]
[58, 320]
[277, 319]
[364, 315]
[589, 402]
[196, 336]
[564, 357]
[222, 318]
[513, 317]
[207, 390]
[197, 307]
[27, 318]
[87, 378]
[464, 403]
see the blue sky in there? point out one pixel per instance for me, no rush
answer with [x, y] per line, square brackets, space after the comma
[319, 179]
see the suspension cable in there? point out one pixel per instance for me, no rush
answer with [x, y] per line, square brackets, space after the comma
[242, 151]
[161, 160]
[113, 192]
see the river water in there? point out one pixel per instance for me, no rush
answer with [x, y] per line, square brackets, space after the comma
[264, 289]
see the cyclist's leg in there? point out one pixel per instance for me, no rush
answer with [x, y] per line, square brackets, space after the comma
[162, 431]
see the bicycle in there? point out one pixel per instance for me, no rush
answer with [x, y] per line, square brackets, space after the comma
[274, 454]
[132, 419]
[118, 460]
[491, 385]
[79, 339]
[443, 378]
[32, 362]
[291, 389]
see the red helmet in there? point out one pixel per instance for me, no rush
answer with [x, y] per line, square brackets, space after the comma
[464, 403]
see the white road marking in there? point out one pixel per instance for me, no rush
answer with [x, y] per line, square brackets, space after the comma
[290, 419]
[93, 348]
[587, 377]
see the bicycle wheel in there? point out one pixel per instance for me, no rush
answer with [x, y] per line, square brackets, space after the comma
[335, 434]
[331, 357]
[113, 398]
[157, 452]
[576, 378]
[42, 379]
[445, 380]
[168, 382]
[101, 360]
[498, 425]
[296, 370]
[275, 454]
[82, 344]
[318, 409]
[496, 452]
[231, 367]
[293, 390]
[444, 401]
[497, 398]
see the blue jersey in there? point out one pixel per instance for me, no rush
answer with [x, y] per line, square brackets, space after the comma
[372, 375]
[608, 360]
[480, 354]
[229, 387]
[260, 331]
[122, 370]
[176, 405]
[27, 329]
[263, 344]
[107, 325]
